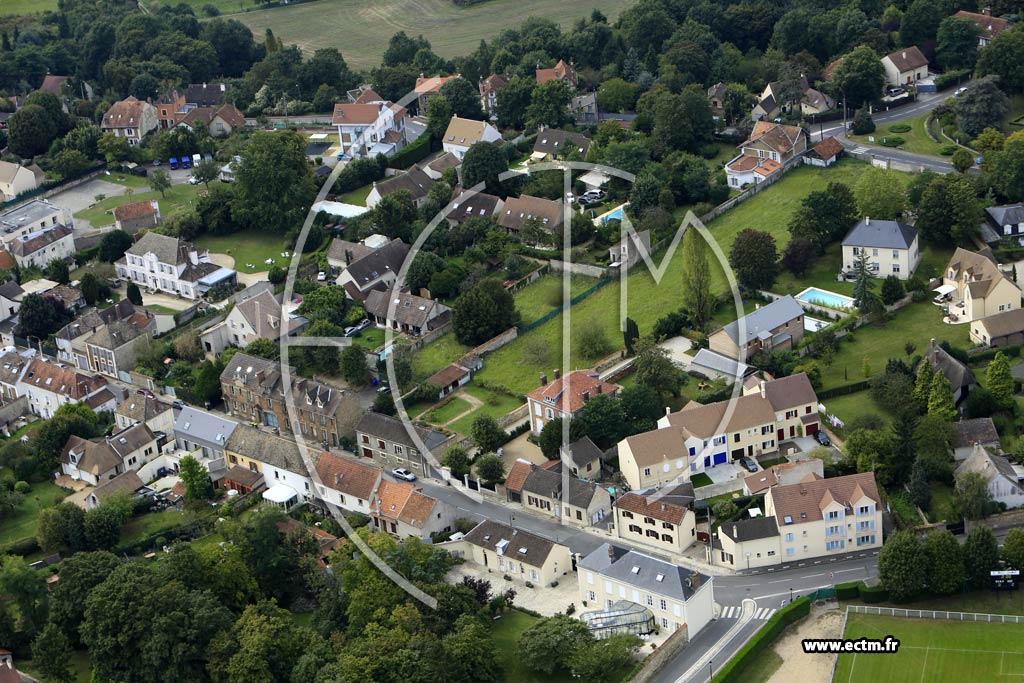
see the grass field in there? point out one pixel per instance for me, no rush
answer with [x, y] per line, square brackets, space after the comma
[177, 197]
[247, 247]
[442, 415]
[937, 651]
[361, 30]
[494, 404]
[22, 523]
[150, 523]
[851, 406]
[542, 296]
[27, 6]
[358, 196]
[916, 322]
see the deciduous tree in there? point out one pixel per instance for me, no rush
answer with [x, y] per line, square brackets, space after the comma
[754, 259]
[490, 468]
[981, 555]
[946, 562]
[899, 565]
[972, 495]
[486, 433]
[483, 312]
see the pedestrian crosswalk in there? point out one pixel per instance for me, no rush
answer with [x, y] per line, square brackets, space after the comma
[734, 612]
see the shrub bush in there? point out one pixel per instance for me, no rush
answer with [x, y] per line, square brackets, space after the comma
[22, 487]
[892, 141]
[863, 123]
[948, 150]
[848, 591]
[950, 78]
[899, 128]
[412, 153]
[873, 595]
[24, 547]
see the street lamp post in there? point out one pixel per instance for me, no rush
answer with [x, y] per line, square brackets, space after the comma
[711, 669]
[791, 596]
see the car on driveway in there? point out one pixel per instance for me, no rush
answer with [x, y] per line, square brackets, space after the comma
[748, 464]
[822, 438]
[403, 474]
[960, 91]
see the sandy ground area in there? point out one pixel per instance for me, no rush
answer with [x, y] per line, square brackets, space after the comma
[229, 262]
[520, 447]
[805, 668]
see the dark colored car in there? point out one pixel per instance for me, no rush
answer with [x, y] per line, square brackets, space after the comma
[822, 438]
[748, 464]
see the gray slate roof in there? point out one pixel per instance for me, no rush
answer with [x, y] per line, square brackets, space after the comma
[390, 429]
[373, 265]
[880, 234]
[615, 563]
[978, 430]
[706, 358]
[750, 529]
[581, 452]
[266, 448]
[199, 425]
[958, 374]
[131, 439]
[1011, 214]
[141, 408]
[765, 319]
[521, 546]
[166, 248]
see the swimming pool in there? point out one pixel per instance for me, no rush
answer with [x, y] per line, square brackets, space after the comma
[823, 297]
[613, 215]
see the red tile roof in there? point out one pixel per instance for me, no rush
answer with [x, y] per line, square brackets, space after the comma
[989, 25]
[517, 475]
[135, 210]
[827, 148]
[647, 507]
[567, 392]
[347, 476]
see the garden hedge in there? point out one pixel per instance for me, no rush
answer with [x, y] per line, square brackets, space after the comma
[848, 591]
[733, 671]
[412, 153]
[950, 78]
[845, 389]
[873, 595]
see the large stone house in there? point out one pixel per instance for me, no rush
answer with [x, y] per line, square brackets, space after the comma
[406, 313]
[37, 249]
[561, 71]
[489, 88]
[785, 97]
[553, 491]
[428, 86]
[276, 458]
[175, 105]
[387, 442]
[167, 264]
[990, 26]
[519, 554]
[137, 216]
[769, 146]
[260, 316]
[1004, 480]
[49, 386]
[679, 598]
[891, 248]
[16, 179]
[377, 270]
[31, 216]
[646, 518]
[131, 119]
[564, 397]
[977, 287]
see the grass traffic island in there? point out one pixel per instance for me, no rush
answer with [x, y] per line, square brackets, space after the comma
[913, 132]
[934, 650]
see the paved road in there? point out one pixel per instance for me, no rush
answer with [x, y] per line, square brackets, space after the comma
[925, 103]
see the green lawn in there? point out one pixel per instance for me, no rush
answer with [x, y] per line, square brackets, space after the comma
[357, 196]
[361, 30]
[505, 634]
[516, 366]
[177, 197]
[150, 523]
[455, 406]
[27, 6]
[438, 354]
[917, 322]
[942, 503]
[981, 602]
[22, 524]
[700, 479]
[934, 650]
[495, 405]
[916, 139]
[851, 406]
[539, 298]
[371, 338]
[248, 246]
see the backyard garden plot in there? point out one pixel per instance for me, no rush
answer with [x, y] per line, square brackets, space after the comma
[935, 651]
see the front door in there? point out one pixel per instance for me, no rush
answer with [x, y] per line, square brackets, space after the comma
[782, 435]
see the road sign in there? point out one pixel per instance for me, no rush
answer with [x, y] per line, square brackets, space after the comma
[1005, 579]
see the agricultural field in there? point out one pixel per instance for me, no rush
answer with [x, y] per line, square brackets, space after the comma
[361, 30]
[938, 651]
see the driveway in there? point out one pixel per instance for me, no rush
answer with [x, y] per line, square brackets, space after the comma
[519, 448]
[725, 472]
[677, 348]
[165, 300]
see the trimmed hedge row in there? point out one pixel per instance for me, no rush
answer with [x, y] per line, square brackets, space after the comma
[844, 390]
[856, 589]
[733, 671]
[950, 78]
[412, 153]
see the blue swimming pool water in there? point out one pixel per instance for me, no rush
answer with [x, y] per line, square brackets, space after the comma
[615, 215]
[822, 297]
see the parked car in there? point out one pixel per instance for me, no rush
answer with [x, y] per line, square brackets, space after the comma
[597, 194]
[156, 162]
[186, 162]
[178, 404]
[404, 474]
[363, 324]
[173, 163]
[384, 389]
[192, 180]
[821, 437]
[960, 91]
[145, 392]
[321, 276]
[748, 464]
[349, 331]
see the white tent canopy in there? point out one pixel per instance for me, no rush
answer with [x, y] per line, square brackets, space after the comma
[944, 290]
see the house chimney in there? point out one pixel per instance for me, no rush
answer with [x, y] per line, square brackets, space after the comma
[735, 532]
[932, 343]
[543, 380]
[695, 581]
[611, 552]
[599, 388]
[867, 220]
[557, 373]
[668, 410]
[586, 396]
[904, 54]
[760, 385]
[986, 11]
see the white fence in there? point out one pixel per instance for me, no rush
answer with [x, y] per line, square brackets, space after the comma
[935, 614]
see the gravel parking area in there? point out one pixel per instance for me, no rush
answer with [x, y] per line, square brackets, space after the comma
[541, 599]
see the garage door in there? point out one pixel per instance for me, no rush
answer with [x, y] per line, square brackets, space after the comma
[811, 429]
[721, 458]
